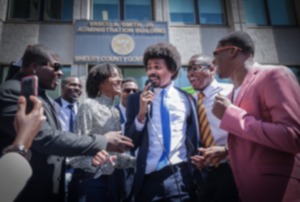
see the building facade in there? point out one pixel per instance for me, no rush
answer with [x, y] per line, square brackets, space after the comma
[88, 32]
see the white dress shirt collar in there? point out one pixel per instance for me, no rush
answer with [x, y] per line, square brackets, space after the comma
[167, 89]
[65, 103]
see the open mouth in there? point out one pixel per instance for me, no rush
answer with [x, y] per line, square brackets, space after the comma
[75, 94]
[154, 79]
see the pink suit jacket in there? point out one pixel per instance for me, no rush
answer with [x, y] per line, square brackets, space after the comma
[264, 135]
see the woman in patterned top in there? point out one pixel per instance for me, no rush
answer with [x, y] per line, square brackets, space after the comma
[98, 115]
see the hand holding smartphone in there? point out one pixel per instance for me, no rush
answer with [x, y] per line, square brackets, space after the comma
[29, 87]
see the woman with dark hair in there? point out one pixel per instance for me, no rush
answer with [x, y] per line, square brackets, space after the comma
[98, 115]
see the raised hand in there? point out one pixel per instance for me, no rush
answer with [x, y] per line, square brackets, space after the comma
[220, 105]
[28, 125]
[146, 97]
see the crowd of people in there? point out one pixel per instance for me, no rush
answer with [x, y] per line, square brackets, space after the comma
[225, 142]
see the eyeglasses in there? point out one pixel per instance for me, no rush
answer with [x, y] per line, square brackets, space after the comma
[225, 48]
[197, 67]
[128, 90]
[56, 66]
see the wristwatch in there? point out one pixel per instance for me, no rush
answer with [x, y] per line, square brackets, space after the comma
[20, 149]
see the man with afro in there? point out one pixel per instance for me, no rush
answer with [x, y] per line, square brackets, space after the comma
[162, 124]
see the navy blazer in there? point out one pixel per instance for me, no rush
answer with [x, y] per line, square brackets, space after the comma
[122, 118]
[141, 140]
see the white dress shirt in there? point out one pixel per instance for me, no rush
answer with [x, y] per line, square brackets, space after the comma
[210, 92]
[180, 110]
[64, 114]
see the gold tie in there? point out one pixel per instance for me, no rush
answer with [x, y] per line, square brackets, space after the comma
[205, 132]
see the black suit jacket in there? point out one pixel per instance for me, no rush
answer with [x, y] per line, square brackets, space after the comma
[141, 141]
[49, 147]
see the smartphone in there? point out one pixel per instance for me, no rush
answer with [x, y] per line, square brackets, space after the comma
[29, 86]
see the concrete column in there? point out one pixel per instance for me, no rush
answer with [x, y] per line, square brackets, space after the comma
[238, 15]
[161, 10]
[82, 9]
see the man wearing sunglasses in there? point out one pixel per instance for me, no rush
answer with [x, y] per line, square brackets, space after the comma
[125, 176]
[219, 183]
[261, 116]
[129, 86]
[51, 145]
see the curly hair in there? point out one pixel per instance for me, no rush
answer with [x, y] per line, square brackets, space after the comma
[97, 75]
[166, 51]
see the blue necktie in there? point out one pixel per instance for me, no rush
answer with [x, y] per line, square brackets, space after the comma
[166, 129]
[72, 117]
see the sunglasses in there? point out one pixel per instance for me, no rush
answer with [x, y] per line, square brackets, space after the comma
[56, 66]
[128, 90]
[225, 48]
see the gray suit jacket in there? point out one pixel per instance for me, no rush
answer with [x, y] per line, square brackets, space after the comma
[49, 147]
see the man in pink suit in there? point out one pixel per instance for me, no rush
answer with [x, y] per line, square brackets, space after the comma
[262, 116]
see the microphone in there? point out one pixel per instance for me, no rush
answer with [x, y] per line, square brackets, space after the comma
[151, 88]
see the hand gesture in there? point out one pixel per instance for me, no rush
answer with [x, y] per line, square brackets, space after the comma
[28, 125]
[198, 161]
[146, 97]
[116, 142]
[213, 155]
[102, 157]
[220, 105]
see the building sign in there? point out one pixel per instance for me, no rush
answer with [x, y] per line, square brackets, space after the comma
[119, 42]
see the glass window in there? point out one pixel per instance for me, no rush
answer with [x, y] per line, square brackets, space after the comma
[296, 71]
[41, 9]
[255, 12]
[138, 10]
[211, 12]
[182, 79]
[58, 10]
[270, 12]
[106, 10]
[182, 11]
[281, 12]
[139, 73]
[25, 9]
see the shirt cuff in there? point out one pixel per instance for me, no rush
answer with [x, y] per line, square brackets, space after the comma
[138, 125]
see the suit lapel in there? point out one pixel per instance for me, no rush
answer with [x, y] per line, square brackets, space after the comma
[245, 85]
[49, 107]
[122, 119]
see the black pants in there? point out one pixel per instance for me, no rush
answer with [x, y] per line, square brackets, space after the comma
[219, 185]
[84, 188]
